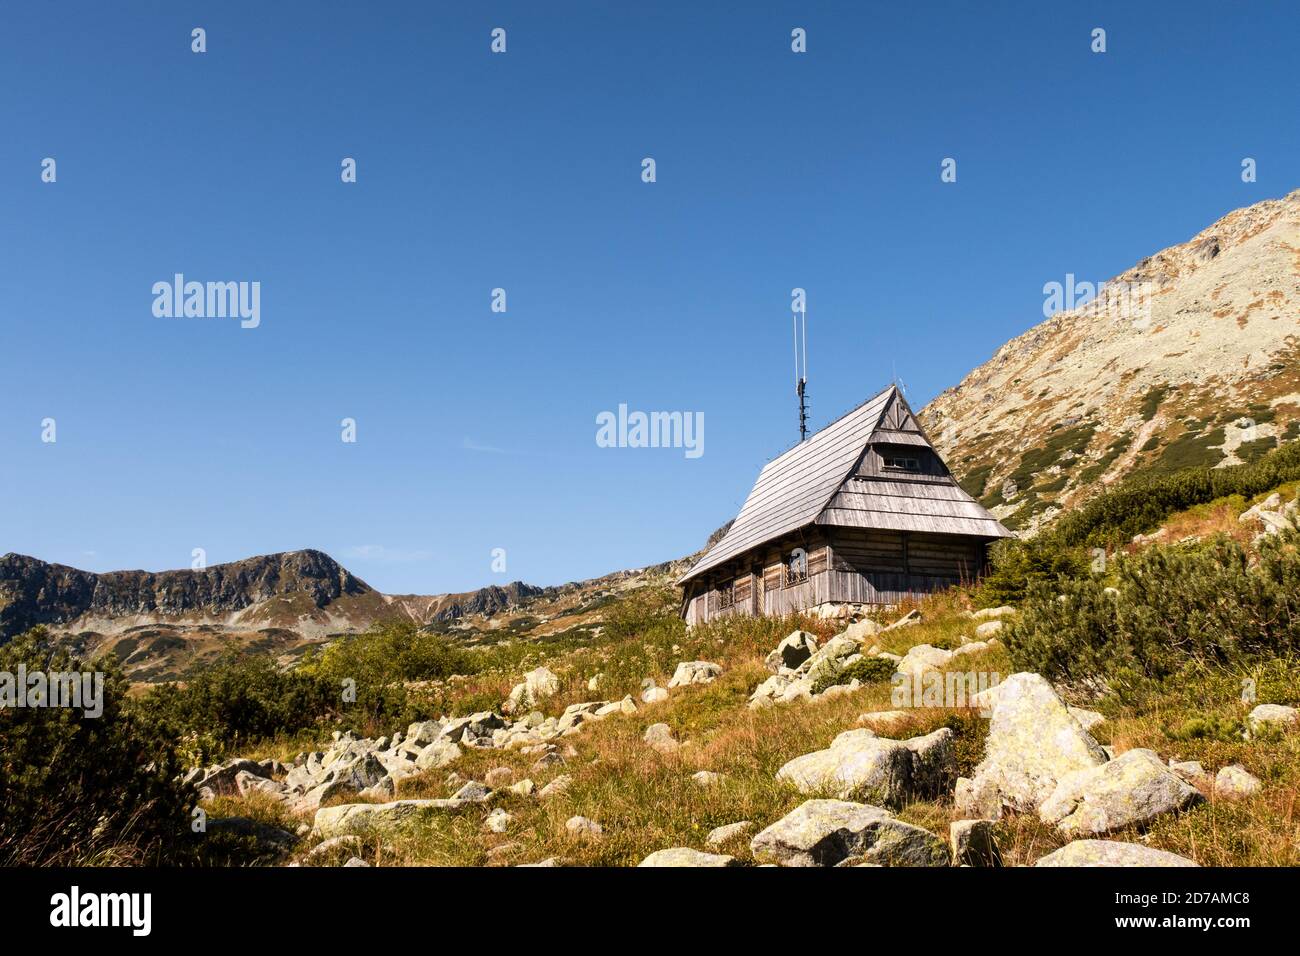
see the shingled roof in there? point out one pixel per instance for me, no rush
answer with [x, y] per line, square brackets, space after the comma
[815, 483]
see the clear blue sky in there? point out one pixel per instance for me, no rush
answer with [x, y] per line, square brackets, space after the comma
[477, 430]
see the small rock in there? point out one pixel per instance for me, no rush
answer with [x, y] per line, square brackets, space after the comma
[730, 831]
[707, 778]
[660, 737]
[1272, 717]
[988, 628]
[695, 672]
[356, 861]
[498, 821]
[558, 785]
[1234, 782]
[685, 856]
[583, 827]
[654, 695]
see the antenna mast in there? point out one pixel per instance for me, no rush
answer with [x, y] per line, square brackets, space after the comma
[801, 377]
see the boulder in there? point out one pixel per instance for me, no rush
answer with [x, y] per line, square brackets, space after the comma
[695, 672]
[890, 772]
[973, 843]
[1133, 789]
[364, 817]
[653, 695]
[707, 778]
[1032, 744]
[1234, 782]
[1087, 719]
[1110, 853]
[660, 737]
[498, 821]
[437, 754]
[1272, 717]
[827, 832]
[793, 650]
[993, 613]
[685, 856]
[988, 629]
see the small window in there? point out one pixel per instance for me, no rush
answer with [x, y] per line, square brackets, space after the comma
[900, 463]
[796, 567]
[727, 595]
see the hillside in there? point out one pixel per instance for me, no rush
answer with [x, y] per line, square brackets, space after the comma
[1190, 358]
[159, 624]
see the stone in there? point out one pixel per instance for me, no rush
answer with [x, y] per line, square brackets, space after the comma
[992, 613]
[861, 630]
[537, 685]
[922, 658]
[731, 831]
[1189, 770]
[907, 620]
[364, 817]
[793, 650]
[988, 628]
[707, 778]
[695, 672]
[828, 660]
[685, 856]
[472, 792]
[826, 832]
[593, 685]
[523, 788]
[499, 777]
[549, 861]
[583, 827]
[1234, 782]
[979, 800]
[861, 765]
[1032, 744]
[356, 861]
[653, 695]
[973, 843]
[546, 761]
[1133, 789]
[1272, 717]
[221, 779]
[660, 738]
[437, 754]
[498, 821]
[1110, 853]
[558, 785]
[348, 843]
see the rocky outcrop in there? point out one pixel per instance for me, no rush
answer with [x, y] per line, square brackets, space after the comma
[488, 601]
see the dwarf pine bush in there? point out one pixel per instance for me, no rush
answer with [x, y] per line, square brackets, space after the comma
[1170, 607]
[77, 789]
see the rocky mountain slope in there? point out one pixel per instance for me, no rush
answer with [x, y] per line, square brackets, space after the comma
[161, 623]
[1188, 358]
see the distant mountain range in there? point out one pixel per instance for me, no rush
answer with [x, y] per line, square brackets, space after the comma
[1191, 358]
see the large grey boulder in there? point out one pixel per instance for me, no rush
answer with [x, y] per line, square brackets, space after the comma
[1033, 743]
[827, 832]
[861, 765]
[366, 817]
[1133, 789]
[793, 650]
[1111, 853]
[437, 754]
[685, 856]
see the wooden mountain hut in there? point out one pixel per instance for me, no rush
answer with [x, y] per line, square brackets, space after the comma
[862, 512]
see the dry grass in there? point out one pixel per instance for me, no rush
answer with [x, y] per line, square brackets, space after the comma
[647, 801]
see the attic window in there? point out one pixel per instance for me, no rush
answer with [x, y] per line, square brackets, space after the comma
[899, 463]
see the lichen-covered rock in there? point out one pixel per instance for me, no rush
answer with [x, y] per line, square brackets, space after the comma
[1033, 743]
[827, 832]
[364, 817]
[1134, 788]
[660, 737]
[922, 658]
[685, 856]
[695, 672]
[730, 831]
[1111, 853]
[859, 764]
[537, 685]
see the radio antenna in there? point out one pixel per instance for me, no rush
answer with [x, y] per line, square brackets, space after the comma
[801, 375]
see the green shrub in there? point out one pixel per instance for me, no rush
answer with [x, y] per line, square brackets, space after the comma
[868, 670]
[1178, 606]
[76, 789]
[1018, 564]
